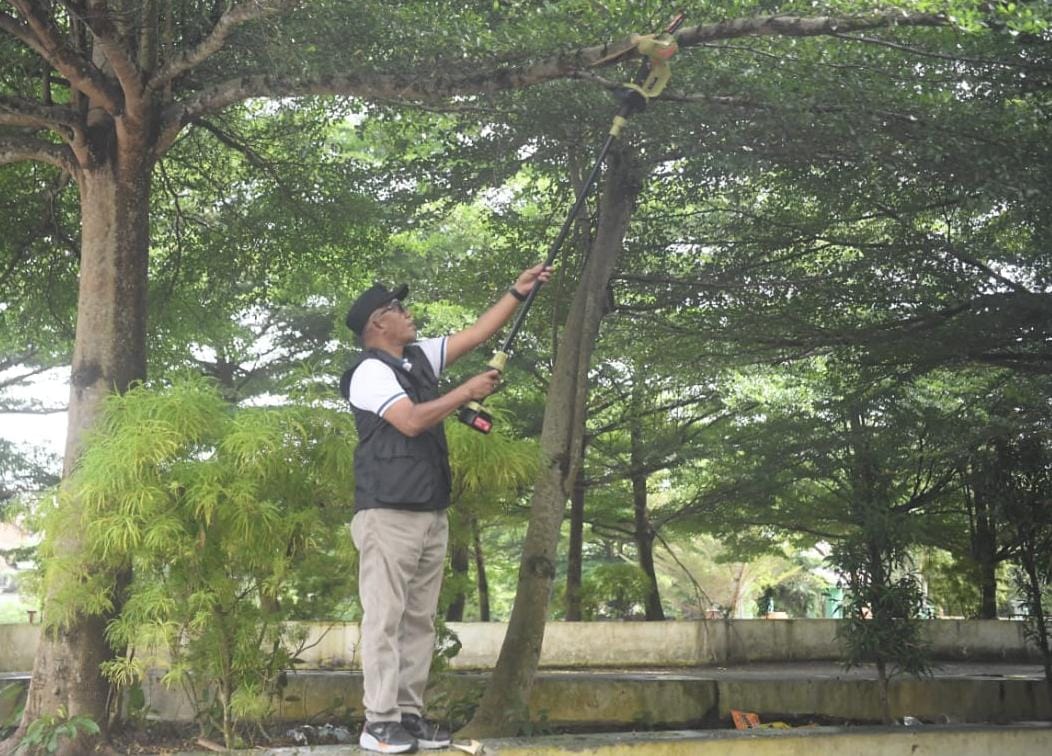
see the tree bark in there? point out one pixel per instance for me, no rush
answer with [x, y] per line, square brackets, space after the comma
[503, 709]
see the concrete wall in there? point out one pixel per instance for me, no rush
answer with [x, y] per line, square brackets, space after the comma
[571, 645]
[18, 644]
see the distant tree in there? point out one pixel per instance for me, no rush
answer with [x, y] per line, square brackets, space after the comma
[24, 469]
[1020, 470]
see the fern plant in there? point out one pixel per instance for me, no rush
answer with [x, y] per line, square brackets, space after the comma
[230, 524]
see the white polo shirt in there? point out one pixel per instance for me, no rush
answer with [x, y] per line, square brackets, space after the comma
[374, 387]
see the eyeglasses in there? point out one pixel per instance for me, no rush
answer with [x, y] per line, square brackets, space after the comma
[394, 305]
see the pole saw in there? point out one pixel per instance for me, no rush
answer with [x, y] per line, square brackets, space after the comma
[650, 81]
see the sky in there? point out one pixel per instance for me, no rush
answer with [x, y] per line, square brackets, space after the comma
[51, 389]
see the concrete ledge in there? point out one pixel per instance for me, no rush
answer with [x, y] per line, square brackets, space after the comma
[962, 699]
[667, 699]
[621, 645]
[816, 741]
[557, 700]
[670, 699]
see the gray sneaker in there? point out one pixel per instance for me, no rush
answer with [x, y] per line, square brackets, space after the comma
[386, 737]
[428, 734]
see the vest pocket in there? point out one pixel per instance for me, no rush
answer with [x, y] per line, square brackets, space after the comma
[404, 480]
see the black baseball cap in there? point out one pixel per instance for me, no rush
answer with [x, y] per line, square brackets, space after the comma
[368, 301]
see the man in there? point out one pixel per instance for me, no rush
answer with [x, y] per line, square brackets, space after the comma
[402, 486]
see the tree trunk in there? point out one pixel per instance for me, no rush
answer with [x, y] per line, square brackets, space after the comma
[644, 533]
[574, 556]
[984, 549]
[1028, 556]
[737, 593]
[883, 683]
[644, 537]
[480, 571]
[582, 242]
[503, 709]
[109, 354]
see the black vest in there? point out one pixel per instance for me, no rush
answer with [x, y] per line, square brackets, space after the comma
[392, 470]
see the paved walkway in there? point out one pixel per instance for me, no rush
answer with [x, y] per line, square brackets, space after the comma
[1026, 740]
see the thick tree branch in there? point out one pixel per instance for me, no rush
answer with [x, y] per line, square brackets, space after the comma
[149, 35]
[15, 111]
[238, 15]
[8, 361]
[16, 380]
[22, 33]
[80, 71]
[795, 26]
[432, 86]
[96, 15]
[16, 149]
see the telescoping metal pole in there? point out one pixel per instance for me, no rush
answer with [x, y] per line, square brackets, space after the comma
[651, 79]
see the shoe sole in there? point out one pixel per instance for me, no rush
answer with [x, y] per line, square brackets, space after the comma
[370, 743]
[433, 744]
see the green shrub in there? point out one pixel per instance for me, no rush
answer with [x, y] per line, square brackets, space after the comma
[48, 733]
[613, 590]
[226, 522]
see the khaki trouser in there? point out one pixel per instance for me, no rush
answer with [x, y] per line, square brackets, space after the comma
[401, 556]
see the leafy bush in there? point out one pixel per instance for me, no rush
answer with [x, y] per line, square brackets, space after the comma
[613, 590]
[48, 733]
[226, 523]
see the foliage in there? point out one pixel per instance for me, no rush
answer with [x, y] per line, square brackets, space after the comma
[953, 583]
[13, 699]
[1024, 474]
[882, 615]
[489, 467]
[227, 525]
[23, 471]
[48, 733]
[613, 590]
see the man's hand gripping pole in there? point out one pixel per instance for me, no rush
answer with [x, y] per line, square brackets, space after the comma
[472, 413]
